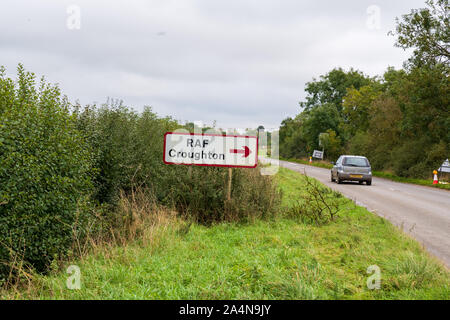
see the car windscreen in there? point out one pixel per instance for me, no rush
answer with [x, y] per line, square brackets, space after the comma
[356, 162]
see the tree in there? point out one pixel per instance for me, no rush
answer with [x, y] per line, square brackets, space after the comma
[291, 139]
[332, 87]
[319, 120]
[332, 145]
[356, 105]
[427, 30]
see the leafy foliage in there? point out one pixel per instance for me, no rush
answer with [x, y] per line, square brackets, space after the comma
[127, 147]
[427, 30]
[332, 87]
[45, 168]
[318, 205]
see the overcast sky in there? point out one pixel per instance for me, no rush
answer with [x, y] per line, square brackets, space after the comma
[240, 62]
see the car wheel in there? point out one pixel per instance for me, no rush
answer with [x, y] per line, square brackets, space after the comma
[369, 182]
[332, 179]
[339, 181]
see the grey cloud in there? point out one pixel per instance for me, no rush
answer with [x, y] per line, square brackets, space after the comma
[242, 63]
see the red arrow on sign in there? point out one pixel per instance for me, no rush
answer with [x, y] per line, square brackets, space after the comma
[246, 151]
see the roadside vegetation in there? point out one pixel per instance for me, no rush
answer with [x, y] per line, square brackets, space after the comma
[66, 168]
[399, 120]
[284, 257]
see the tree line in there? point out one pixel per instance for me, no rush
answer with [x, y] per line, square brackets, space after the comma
[399, 120]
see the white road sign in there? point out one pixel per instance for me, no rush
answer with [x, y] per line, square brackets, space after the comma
[318, 154]
[210, 150]
[445, 166]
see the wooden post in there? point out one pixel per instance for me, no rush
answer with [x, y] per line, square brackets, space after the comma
[230, 173]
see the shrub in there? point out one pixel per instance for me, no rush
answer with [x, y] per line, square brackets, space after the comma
[253, 196]
[44, 171]
[407, 162]
[201, 194]
[127, 147]
[319, 204]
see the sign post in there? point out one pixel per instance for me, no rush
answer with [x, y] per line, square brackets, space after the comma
[230, 177]
[212, 150]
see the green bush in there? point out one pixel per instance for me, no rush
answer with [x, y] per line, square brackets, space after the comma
[44, 172]
[318, 205]
[408, 162]
[127, 148]
[201, 194]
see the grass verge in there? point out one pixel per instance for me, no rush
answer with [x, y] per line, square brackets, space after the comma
[422, 182]
[280, 258]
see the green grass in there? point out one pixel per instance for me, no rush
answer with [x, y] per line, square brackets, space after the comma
[276, 259]
[379, 174]
[422, 182]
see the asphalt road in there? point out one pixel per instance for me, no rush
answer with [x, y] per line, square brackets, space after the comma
[423, 212]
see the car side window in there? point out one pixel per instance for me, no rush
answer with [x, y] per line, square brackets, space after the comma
[338, 162]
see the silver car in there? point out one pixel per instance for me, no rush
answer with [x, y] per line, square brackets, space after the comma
[352, 168]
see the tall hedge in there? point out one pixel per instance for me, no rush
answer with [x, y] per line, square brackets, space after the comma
[127, 148]
[44, 171]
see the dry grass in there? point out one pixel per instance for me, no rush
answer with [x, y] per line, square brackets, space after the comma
[144, 218]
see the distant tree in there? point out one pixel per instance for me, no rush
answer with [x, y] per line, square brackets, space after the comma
[332, 145]
[332, 87]
[321, 119]
[356, 105]
[291, 139]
